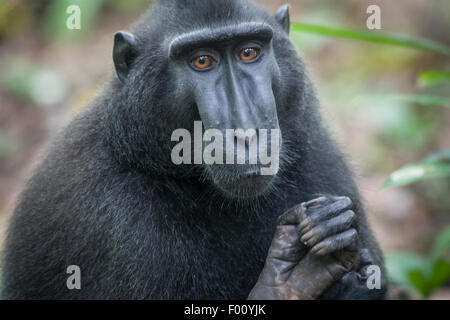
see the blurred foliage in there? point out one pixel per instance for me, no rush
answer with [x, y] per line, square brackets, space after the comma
[412, 173]
[56, 17]
[5, 146]
[14, 17]
[435, 166]
[376, 37]
[406, 124]
[400, 125]
[17, 16]
[431, 77]
[126, 5]
[419, 99]
[44, 87]
[422, 273]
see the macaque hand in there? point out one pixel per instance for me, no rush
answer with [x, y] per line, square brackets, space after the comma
[314, 246]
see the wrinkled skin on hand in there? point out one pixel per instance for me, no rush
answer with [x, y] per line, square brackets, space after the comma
[353, 285]
[314, 246]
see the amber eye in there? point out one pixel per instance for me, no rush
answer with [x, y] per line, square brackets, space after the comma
[203, 62]
[249, 54]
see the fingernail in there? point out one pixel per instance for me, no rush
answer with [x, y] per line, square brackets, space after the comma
[314, 202]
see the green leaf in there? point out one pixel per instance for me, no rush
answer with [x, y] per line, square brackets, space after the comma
[427, 282]
[418, 172]
[421, 99]
[416, 272]
[399, 264]
[441, 246]
[420, 282]
[440, 274]
[429, 77]
[371, 36]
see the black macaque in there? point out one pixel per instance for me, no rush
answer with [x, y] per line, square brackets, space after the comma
[109, 199]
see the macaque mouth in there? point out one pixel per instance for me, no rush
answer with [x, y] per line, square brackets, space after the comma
[247, 182]
[251, 174]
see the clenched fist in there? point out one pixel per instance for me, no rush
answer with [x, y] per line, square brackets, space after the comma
[314, 246]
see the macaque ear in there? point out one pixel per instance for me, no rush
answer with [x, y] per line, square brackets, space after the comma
[283, 18]
[124, 53]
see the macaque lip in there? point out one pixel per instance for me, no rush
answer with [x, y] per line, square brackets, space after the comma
[251, 174]
[245, 184]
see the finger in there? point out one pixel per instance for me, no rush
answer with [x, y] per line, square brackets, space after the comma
[286, 245]
[293, 216]
[321, 213]
[328, 228]
[347, 239]
[316, 202]
[366, 257]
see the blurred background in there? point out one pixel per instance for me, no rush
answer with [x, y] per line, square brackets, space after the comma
[385, 98]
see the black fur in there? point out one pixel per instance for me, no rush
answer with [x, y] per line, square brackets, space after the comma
[108, 198]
